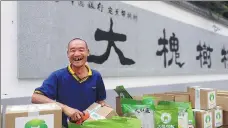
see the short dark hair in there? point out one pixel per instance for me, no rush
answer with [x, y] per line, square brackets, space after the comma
[77, 39]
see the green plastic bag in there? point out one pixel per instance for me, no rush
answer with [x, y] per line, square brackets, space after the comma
[185, 109]
[142, 110]
[166, 116]
[114, 122]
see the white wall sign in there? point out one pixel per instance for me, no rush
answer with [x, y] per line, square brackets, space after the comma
[124, 40]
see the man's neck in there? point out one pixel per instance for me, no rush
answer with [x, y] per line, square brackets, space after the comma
[79, 70]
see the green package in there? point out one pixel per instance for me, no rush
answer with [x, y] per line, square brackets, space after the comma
[114, 122]
[184, 111]
[137, 109]
[166, 116]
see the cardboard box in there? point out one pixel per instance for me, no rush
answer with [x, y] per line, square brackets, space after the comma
[225, 118]
[179, 97]
[97, 112]
[118, 105]
[217, 117]
[202, 98]
[204, 118]
[33, 115]
[223, 102]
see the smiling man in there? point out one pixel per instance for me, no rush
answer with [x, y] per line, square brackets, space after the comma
[75, 87]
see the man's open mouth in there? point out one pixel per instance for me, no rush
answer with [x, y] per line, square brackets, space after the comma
[78, 59]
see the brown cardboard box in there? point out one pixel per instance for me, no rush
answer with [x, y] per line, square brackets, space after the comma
[225, 118]
[203, 118]
[217, 115]
[179, 97]
[118, 105]
[223, 102]
[97, 112]
[25, 116]
[161, 97]
[202, 98]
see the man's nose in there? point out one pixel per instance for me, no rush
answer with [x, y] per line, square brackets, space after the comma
[76, 53]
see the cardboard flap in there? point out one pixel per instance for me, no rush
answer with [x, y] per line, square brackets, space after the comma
[32, 107]
[104, 111]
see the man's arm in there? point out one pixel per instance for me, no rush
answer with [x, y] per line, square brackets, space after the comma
[101, 92]
[41, 99]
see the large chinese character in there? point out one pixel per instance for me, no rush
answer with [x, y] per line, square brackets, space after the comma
[204, 55]
[224, 54]
[111, 37]
[173, 47]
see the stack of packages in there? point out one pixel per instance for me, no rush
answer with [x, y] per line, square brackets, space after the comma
[50, 116]
[156, 110]
[222, 100]
[204, 104]
[196, 108]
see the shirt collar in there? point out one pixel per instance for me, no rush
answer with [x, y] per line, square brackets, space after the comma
[73, 73]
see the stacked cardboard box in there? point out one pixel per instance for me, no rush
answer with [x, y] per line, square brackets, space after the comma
[33, 115]
[204, 104]
[222, 100]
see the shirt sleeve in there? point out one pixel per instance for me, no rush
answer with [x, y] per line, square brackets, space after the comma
[101, 91]
[49, 87]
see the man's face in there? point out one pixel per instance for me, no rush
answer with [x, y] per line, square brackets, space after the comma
[77, 53]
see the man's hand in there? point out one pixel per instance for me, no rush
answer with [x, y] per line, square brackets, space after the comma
[103, 103]
[74, 114]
